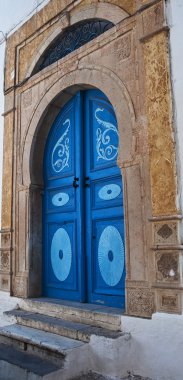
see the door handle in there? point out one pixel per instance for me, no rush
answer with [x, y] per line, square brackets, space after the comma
[85, 183]
[75, 184]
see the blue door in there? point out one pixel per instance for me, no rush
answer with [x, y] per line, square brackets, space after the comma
[83, 218]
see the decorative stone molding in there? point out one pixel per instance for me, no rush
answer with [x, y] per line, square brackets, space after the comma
[153, 18]
[65, 20]
[27, 98]
[7, 171]
[108, 11]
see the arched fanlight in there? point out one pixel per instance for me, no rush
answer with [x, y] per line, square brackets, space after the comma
[71, 39]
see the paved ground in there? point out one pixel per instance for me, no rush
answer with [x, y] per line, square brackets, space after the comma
[6, 303]
[95, 376]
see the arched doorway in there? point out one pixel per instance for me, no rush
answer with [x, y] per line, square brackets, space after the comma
[83, 218]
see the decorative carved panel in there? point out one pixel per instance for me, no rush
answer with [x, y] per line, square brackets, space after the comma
[167, 267]
[5, 283]
[123, 47]
[140, 302]
[166, 233]
[4, 261]
[5, 239]
[169, 301]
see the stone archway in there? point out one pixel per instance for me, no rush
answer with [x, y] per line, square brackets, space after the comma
[31, 167]
[88, 76]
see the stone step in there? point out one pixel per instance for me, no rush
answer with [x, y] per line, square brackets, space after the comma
[90, 314]
[97, 376]
[16, 364]
[46, 345]
[60, 326]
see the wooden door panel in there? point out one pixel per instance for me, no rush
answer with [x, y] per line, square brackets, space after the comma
[83, 217]
[104, 203]
[109, 258]
[60, 155]
[62, 219]
[107, 192]
[60, 200]
[62, 257]
[104, 134]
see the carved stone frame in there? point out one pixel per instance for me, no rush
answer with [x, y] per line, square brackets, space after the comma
[117, 63]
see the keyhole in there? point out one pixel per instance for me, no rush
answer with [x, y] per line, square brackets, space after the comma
[61, 254]
[110, 256]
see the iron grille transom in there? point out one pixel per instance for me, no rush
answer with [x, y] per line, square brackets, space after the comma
[71, 39]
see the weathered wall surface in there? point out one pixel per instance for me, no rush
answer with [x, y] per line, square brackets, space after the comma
[130, 64]
[174, 17]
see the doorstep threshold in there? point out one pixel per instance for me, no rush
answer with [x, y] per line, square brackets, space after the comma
[90, 314]
[79, 305]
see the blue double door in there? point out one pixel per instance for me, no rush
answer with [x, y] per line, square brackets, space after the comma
[83, 216]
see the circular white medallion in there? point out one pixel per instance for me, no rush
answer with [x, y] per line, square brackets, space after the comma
[61, 254]
[60, 199]
[111, 256]
[109, 192]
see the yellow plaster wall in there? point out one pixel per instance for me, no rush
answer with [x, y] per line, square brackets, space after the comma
[159, 109]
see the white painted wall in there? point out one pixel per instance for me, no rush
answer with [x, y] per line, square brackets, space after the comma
[151, 348]
[12, 12]
[175, 21]
[156, 346]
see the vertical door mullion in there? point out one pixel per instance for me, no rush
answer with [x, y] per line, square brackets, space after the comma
[88, 209]
[79, 157]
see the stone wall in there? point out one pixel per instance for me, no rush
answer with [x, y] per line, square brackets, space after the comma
[130, 64]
